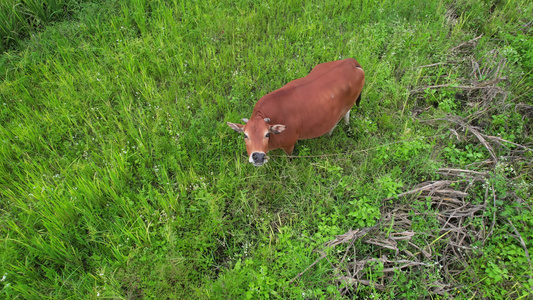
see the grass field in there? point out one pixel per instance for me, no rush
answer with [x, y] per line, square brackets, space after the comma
[119, 178]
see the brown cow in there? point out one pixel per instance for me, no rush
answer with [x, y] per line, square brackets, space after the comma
[304, 108]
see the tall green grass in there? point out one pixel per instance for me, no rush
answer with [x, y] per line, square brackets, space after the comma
[120, 179]
[11, 22]
[20, 18]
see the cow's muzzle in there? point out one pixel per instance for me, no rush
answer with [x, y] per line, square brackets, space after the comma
[258, 158]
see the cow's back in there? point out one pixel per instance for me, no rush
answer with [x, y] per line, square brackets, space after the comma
[311, 106]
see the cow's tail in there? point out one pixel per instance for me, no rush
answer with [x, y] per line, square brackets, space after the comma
[357, 65]
[358, 100]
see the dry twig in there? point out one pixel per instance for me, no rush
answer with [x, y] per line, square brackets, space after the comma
[309, 267]
[475, 86]
[521, 240]
[470, 43]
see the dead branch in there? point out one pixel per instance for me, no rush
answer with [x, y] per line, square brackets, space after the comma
[378, 286]
[429, 87]
[460, 213]
[346, 252]
[480, 163]
[460, 172]
[483, 141]
[521, 240]
[524, 109]
[469, 43]
[475, 86]
[309, 267]
[389, 244]
[493, 214]
[506, 141]
[350, 235]
[428, 187]
[405, 235]
[451, 193]
[406, 263]
[437, 64]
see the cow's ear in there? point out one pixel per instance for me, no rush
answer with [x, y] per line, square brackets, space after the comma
[277, 128]
[236, 127]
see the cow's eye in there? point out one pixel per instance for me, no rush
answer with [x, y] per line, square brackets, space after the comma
[268, 134]
[245, 136]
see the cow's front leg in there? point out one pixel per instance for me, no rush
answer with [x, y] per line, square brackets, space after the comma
[288, 150]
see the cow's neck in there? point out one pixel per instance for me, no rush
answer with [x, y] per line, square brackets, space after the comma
[258, 114]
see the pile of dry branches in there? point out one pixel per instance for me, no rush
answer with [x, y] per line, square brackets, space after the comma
[479, 86]
[457, 233]
[481, 79]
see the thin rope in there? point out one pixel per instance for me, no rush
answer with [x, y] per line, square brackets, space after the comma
[364, 150]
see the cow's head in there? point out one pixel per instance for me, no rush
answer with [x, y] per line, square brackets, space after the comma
[256, 136]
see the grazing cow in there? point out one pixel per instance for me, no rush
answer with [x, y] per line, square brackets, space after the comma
[304, 108]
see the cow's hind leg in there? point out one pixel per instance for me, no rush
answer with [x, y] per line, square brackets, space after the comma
[346, 121]
[347, 118]
[331, 131]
